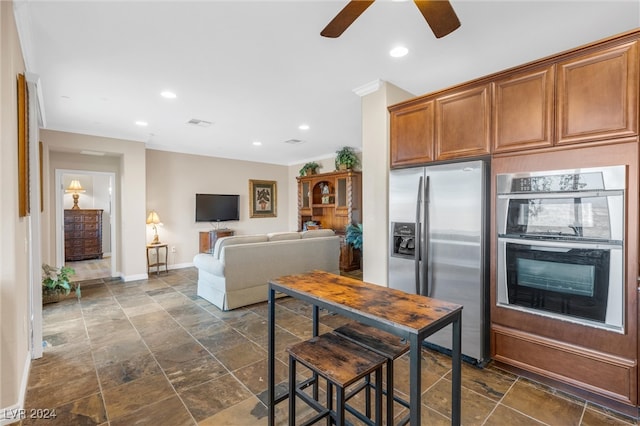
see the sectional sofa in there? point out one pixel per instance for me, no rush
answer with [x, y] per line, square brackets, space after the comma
[238, 271]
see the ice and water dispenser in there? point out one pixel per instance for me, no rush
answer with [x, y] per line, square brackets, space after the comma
[403, 239]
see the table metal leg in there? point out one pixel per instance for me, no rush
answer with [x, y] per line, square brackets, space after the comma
[415, 380]
[456, 374]
[315, 330]
[271, 330]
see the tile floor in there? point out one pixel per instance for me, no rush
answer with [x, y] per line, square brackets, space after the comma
[153, 352]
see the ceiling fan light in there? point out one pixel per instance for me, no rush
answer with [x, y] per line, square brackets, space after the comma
[398, 52]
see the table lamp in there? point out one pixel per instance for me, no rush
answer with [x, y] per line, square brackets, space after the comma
[75, 188]
[154, 219]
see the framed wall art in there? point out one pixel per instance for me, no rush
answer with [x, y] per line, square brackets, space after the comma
[263, 198]
[23, 148]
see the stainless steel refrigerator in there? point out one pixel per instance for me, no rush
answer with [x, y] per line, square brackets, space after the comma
[438, 247]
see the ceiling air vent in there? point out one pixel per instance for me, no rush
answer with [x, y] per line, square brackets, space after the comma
[197, 122]
[294, 141]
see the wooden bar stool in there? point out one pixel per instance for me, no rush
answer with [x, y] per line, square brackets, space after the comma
[382, 343]
[341, 363]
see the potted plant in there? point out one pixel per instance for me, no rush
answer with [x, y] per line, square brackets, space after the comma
[346, 158]
[56, 281]
[350, 257]
[353, 236]
[310, 168]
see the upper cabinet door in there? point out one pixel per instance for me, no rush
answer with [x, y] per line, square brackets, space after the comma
[523, 110]
[598, 95]
[463, 123]
[412, 134]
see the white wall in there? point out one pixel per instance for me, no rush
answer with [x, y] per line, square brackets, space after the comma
[173, 179]
[14, 231]
[375, 180]
[127, 160]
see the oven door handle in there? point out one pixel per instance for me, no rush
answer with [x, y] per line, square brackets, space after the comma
[560, 194]
[562, 244]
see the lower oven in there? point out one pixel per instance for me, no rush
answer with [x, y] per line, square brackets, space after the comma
[579, 282]
[560, 245]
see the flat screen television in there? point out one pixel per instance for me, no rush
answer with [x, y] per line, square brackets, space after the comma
[217, 207]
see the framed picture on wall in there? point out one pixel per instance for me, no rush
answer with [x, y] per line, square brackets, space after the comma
[23, 148]
[263, 198]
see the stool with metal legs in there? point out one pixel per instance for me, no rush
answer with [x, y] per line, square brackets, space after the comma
[383, 343]
[341, 363]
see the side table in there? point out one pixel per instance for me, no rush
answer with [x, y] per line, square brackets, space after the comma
[158, 263]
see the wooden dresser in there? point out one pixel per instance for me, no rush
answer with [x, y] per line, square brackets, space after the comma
[82, 234]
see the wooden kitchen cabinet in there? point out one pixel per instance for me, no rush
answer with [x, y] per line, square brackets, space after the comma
[82, 234]
[452, 124]
[523, 110]
[597, 95]
[462, 121]
[412, 133]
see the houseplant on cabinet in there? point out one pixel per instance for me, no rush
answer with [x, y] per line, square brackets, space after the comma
[346, 158]
[310, 168]
[56, 281]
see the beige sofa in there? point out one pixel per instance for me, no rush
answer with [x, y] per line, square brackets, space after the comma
[238, 271]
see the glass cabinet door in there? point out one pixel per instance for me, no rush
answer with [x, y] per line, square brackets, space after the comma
[341, 192]
[305, 195]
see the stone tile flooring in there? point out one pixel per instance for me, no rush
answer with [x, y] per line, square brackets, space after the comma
[153, 352]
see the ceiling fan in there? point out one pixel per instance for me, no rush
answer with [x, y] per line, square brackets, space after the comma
[438, 13]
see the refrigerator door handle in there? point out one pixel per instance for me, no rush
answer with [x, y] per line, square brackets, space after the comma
[426, 288]
[418, 249]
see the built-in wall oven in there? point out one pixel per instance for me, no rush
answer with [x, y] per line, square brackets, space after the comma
[560, 244]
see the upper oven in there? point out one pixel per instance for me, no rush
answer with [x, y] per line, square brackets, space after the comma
[560, 244]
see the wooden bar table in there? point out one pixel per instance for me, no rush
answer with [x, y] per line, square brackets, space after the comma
[408, 316]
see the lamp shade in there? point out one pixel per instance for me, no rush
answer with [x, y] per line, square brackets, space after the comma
[153, 218]
[74, 187]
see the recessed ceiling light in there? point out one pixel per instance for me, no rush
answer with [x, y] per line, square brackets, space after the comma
[398, 52]
[168, 95]
[142, 123]
[257, 143]
[303, 127]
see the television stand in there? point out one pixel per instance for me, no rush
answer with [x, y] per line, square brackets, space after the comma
[208, 238]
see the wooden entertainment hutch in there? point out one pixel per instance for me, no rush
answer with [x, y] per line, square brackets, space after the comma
[332, 201]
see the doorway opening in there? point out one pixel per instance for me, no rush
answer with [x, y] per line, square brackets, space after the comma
[97, 194]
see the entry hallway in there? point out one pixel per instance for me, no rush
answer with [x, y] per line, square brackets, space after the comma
[153, 352]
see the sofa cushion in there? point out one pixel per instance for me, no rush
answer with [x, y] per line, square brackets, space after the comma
[314, 233]
[235, 240]
[283, 236]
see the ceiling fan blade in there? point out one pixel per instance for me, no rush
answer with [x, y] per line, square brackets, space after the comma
[439, 15]
[345, 17]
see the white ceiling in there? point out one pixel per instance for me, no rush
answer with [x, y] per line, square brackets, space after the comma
[259, 69]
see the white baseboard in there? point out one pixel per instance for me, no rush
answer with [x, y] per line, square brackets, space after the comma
[181, 265]
[15, 412]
